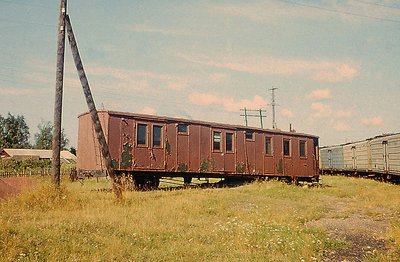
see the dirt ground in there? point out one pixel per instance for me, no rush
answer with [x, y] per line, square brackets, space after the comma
[12, 186]
[361, 235]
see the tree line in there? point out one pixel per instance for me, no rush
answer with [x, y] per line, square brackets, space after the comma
[14, 133]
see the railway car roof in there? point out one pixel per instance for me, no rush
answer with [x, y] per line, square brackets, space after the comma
[204, 123]
[359, 141]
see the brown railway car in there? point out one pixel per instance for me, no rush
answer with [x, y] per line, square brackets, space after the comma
[149, 147]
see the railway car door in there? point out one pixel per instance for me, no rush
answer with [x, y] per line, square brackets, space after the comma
[250, 151]
[229, 157]
[385, 156]
[126, 150]
[142, 154]
[353, 157]
[157, 146]
[330, 159]
[182, 147]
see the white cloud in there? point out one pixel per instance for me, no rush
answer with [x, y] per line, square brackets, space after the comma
[287, 113]
[148, 110]
[218, 77]
[117, 106]
[341, 127]
[338, 73]
[317, 70]
[12, 91]
[139, 80]
[320, 94]
[322, 110]
[228, 103]
[373, 121]
[343, 113]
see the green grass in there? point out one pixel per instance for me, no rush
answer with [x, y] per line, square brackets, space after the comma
[257, 222]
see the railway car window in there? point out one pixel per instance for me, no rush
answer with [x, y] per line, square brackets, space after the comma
[229, 142]
[268, 147]
[217, 140]
[157, 134]
[249, 135]
[182, 128]
[302, 147]
[141, 134]
[286, 147]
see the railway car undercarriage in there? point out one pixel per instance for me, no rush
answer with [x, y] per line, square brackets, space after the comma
[151, 180]
[383, 176]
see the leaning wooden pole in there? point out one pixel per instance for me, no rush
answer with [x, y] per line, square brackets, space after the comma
[92, 109]
[56, 145]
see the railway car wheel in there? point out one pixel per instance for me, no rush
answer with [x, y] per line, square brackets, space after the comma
[148, 183]
[187, 180]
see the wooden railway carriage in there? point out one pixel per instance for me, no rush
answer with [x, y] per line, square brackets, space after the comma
[150, 147]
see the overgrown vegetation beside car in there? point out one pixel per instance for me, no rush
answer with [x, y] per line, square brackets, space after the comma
[13, 167]
[266, 221]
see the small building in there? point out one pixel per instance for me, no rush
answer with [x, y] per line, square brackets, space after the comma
[36, 154]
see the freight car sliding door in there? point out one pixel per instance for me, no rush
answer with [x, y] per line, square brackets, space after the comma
[385, 156]
[353, 156]
[330, 158]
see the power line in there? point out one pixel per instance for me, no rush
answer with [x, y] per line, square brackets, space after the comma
[26, 4]
[340, 12]
[25, 22]
[257, 113]
[377, 4]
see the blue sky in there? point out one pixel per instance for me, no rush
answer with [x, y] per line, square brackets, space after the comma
[335, 63]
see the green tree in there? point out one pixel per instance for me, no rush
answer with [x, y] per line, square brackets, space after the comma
[44, 139]
[14, 132]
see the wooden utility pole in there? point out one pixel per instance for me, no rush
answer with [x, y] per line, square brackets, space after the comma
[92, 109]
[56, 146]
